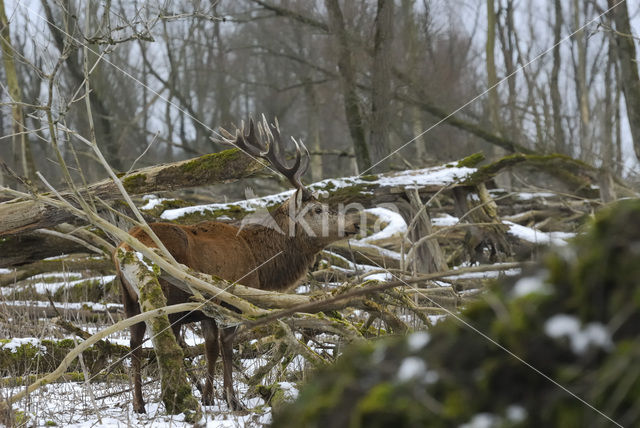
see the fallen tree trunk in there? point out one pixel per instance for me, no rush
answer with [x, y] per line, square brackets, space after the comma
[75, 264]
[20, 215]
[31, 247]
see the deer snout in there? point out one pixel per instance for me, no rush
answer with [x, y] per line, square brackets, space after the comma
[352, 225]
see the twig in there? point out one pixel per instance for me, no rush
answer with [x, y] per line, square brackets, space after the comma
[317, 306]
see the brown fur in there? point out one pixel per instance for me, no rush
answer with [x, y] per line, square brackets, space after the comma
[239, 254]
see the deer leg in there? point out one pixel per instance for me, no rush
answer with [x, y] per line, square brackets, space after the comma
[175, 327]
[135, 343]
[226, 342]
[212, 349]
[132, 308]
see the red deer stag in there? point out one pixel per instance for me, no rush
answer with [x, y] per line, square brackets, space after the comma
[272, 255]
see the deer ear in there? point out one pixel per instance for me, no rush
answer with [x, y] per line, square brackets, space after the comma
[299, 199]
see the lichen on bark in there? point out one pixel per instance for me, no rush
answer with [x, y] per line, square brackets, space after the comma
[175, 388]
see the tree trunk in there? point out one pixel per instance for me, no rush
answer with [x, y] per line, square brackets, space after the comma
[352, 109]
[103, 131]
[629, 77]
[507, 35]
[313, 128]
[556, 100]
[492, 78]
[381, 110]
[223, 98]
[229, 165]
[21, 147]
[607, 193]
[582, 93]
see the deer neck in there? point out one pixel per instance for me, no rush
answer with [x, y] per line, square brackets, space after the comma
[283, 259]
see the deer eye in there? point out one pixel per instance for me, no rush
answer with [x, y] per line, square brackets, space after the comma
[318, 210]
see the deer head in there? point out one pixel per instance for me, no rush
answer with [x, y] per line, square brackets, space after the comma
[302, 214]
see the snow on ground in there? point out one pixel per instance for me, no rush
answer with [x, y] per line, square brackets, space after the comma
[110, 406]
[64, 275]
[411, 368]
[289, 389]
[418, 340]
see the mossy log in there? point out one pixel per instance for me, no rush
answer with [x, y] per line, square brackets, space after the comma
[20, 216]
[33, 312]
[68, 264]
[351, 192]
[14, 381]
[575, 176]
[45, 355]
[31, 247]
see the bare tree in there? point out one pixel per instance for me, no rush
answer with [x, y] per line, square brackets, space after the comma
[21, 146]
[554, 87]
[630, 80]
[353, 111]
[492, 78]
[381, 108]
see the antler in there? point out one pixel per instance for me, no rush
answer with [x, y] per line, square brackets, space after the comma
[270, 150]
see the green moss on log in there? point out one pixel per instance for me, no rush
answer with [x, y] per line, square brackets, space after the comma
[212, 168]
[45, 356]
[211, 162]
[175, 390]
[471, 161]
[12, 382]
[576, 175]
[94, 290]
[133, 182]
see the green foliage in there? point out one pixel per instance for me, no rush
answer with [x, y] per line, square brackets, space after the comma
[460, 376]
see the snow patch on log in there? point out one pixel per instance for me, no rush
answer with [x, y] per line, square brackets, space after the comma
[395, 224]
[443, 175]
[535, 236]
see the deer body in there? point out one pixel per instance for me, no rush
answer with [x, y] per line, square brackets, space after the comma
[273, 255]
